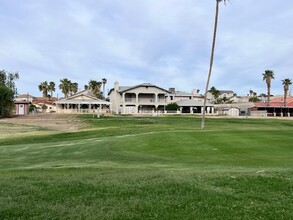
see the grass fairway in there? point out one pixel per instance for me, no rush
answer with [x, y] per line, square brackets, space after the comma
[148, 168]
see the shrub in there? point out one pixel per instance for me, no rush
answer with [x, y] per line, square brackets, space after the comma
[172, 107]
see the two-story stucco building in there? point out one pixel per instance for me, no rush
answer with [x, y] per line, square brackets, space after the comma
[142, 98]
[149, 98]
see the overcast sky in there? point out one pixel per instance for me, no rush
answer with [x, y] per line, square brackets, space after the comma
[163, 42]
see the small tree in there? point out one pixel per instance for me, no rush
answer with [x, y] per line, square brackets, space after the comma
[7, 92]
[8, 79]
[172, 107]
[44, 107]
[32, 108]
[6, 101]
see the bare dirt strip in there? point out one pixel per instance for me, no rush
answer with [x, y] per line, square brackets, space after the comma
[52, 121]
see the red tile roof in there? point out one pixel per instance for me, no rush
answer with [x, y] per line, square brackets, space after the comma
[25, 96]
[277, 102]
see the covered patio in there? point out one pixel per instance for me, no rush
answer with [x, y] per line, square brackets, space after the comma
[191, 106]
[81, 103]
[277, 107]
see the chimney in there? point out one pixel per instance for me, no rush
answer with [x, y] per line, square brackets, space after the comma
[195, 91]
[172, 90]
[116, 86]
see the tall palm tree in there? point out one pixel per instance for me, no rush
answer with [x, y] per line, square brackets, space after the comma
[104, 81]
[65, 86]
[211, 61]
[215, 93]
[268, 75]
[286, 83]
[73, 88]
[253, 97]
[44, 88]
[51, 88]
[95, 87]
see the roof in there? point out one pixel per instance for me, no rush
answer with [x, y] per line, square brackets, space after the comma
[127, 88]
[85, 92]
[25, 96]
[226, 91]
[276, 102]
[240, 105]
[42, 100]
[180, 93]
[123, 88]
[83, 97]
[82, 101]
[191, 102]
[145, 85]
[22, 102]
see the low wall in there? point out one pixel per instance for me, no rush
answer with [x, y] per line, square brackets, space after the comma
[260, 114]
[82, 111]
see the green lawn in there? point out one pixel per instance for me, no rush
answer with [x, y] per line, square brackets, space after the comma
[148, 168]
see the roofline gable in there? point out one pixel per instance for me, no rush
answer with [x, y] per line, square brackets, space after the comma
[137, 86]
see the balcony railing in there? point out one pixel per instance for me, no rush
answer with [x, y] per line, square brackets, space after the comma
[161, 100]
[130, 100]
[146, 100]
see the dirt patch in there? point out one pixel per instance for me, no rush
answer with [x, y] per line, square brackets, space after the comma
[52, 121]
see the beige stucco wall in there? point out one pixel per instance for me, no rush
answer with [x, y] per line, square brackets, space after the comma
[144, 95]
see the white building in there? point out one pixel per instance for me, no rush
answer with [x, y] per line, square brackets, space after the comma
[142, 98]
[149, 98]
[82, 102]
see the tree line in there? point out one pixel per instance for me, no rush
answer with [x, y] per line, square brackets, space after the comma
[68, 87]
[268, 75]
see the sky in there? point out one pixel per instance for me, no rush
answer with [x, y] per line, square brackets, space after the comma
[165, 42]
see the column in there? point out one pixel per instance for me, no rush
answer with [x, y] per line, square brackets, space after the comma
[123, 98]
[123, 105]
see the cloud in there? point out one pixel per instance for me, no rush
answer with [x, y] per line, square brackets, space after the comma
[165, 42]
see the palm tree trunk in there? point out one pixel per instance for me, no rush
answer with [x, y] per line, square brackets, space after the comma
[285, 96]
[269, 94]
[104, 90]
[211, 65]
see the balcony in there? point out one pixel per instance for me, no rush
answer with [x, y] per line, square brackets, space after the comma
[161, 100]
[147, 100]
[131, 100]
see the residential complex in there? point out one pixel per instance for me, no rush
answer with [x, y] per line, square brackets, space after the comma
[147, 98]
